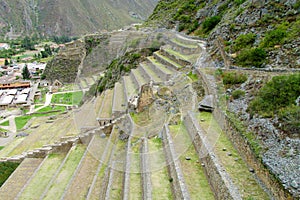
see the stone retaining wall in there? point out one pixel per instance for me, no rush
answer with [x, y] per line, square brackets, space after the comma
[145, 75]
[219, 180]
[177, 181]
[126, 179]
[266, 177]
[164, 76]
[175, 58]
[145, 171]
[184, 50]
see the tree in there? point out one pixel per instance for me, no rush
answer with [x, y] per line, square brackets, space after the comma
[25, 73]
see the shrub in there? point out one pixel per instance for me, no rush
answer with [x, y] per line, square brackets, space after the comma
[6, 169]
[210, 23]
[239, 2]
[236, 94]
[279, 93]
[243, 41]
[252, 57]
[233, 78]
[274, 37]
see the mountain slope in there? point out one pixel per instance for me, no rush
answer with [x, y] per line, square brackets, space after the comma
[71, 17]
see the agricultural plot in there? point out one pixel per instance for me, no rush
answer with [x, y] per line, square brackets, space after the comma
[106, 109]
[130, 86]
[148, 69]
[69, 98]
[119, 98]
[160, 65]
[168, 60]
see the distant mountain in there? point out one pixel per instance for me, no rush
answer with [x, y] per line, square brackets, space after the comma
[70, 17]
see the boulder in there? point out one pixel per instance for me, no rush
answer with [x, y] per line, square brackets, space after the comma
[206, 104]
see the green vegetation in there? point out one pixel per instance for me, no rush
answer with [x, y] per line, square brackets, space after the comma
[252, 57]
[70, 98]
[23, 120]
[1, 147]
[232, 78]
[236, 94]
[120, 66]
[193, 76]
[210, 23]
[244, 41]
[6, 123]
[274, 37]
[278, 96]
[6, 169]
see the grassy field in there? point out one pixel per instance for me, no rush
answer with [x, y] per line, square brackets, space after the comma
[6, 123]
[234, 164]
[38, 185]
[6, 169]
[69, 98]
[21, 121]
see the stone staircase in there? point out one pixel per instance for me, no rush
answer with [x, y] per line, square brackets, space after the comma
[111, 162]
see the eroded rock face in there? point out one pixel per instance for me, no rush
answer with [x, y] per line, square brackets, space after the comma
[146, 97]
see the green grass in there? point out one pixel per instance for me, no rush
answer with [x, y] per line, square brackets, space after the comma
[42, 178]
[234, 165]
[49, 108]
[23, 120]
[193, 76]
[1, 147]
[192, 170]
[70, 98]
[64, 176]
[6, 123]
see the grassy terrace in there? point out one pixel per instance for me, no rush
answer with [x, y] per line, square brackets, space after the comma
[193, 173]
[179, 42]
[39, 182]
[119, 98]
[135, 178]
[138, 76]
[46, 133]
[69, 98]
[234, 165]
[173, 63]
[161, 188]
[190, 58]
[98, 104]
[117, 185]
[96, 190]
[106, 109]
[152, 74]
[130, 86]
[61, 181]
[84, 177]
[160, 65]
[19, 178]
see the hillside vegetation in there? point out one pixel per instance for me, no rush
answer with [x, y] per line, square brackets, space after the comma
[70, 17]
[252, 33]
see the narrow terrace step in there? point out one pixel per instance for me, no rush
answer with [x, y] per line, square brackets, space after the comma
[167, 61]
[149, 71]
[193, 173]
[145, 170]
[177, 57]
[96, 185]
[106, 109]
[41, 179]
[130, 87]
[163, 71]
[119, 103]
[18, 179]
[83, 178]
[59, 183]
[174, 168]
[141, 79]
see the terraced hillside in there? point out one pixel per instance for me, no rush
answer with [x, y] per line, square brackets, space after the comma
[168, 150]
